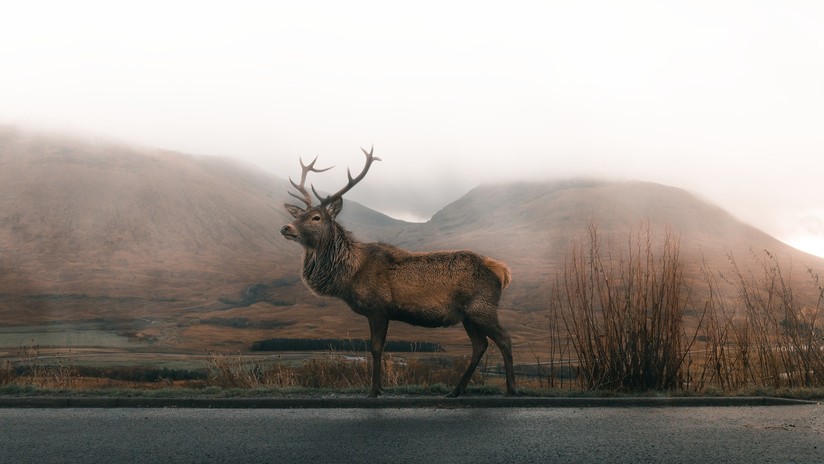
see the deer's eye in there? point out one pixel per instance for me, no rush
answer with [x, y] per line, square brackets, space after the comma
[316, 217]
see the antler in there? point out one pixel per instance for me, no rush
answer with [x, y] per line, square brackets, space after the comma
[306, 198]
[352, 181]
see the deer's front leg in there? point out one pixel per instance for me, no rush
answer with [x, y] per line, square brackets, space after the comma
[377, 328]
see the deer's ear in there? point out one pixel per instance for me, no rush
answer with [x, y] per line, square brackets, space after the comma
[295, 211]
[335, 207]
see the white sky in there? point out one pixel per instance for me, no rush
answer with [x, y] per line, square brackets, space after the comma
[723, 98]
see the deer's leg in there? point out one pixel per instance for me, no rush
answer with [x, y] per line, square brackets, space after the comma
[501, 337]
[479, 344]
[377, 329]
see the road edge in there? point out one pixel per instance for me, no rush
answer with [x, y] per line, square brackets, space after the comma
[392, 402]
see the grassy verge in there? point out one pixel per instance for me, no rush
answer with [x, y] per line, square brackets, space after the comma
[405, 391]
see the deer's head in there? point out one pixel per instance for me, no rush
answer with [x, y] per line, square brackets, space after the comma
[314, 225]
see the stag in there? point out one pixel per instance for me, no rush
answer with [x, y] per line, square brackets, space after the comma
[383, 282]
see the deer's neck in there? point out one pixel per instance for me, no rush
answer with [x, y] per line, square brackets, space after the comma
[329, 268]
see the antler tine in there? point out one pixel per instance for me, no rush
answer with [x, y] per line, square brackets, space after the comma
[352, 180]
[316, 193]
[306, 169]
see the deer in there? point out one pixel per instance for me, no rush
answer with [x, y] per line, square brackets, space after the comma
[385, 283]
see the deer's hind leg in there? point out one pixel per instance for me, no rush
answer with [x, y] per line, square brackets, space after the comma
[479, 345]
[486, 324]
[501, 337]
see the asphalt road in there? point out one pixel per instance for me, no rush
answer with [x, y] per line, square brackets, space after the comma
[426, 435]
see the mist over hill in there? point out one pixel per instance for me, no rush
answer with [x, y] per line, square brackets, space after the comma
[106, 228]
[92, 230]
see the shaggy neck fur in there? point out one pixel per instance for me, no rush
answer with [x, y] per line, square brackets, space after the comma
[327, 267]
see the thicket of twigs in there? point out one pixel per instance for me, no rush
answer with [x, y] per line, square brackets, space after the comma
[627, 320]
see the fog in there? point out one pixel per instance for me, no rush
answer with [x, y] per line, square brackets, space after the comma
[724, 99]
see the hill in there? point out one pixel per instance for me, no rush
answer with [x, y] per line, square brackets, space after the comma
[177, 252]
[109, 228]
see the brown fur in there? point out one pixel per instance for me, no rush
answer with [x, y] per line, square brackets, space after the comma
[500, 269]
[383, 283]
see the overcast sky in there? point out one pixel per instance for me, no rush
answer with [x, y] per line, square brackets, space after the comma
[722, 98]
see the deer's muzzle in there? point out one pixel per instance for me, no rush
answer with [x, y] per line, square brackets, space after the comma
[289, 232]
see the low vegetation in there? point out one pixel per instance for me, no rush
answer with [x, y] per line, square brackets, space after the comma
[336, 370]
[337, 344]
[31, 371]
[333, 370]
[623, 315]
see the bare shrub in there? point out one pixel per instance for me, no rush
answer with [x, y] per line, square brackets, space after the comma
[623, 313]
[771, 337]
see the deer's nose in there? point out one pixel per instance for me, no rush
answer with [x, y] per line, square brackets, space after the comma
[288, 231]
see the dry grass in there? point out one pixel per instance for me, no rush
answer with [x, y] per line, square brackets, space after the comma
[333, 370]
[7, 372]
[33, 368]
[29, 370]
[233, 371]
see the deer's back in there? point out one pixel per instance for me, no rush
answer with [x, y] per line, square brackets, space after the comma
[431, 289]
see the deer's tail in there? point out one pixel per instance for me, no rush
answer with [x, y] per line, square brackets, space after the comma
[500, 269]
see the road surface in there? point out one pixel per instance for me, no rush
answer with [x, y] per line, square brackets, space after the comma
[427, 435]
